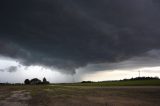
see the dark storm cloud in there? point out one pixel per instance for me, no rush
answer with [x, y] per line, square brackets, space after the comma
[69, 34]
[150, 59]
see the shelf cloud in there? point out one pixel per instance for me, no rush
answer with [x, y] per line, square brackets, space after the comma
[71, 34]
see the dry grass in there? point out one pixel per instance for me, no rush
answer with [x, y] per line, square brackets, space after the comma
[86, 96]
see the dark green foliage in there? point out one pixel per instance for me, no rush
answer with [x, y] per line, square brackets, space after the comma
[27, 81]
[143, 78]
[45, 81]
[35, 81]
[86, 81]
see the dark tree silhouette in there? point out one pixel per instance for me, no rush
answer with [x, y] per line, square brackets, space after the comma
[35, 81]
[27, 81]
[44, 80]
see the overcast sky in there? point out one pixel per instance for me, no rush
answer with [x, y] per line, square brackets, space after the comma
[75, 40]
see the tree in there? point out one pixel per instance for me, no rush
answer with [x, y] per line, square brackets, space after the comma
[44, 80]
[35, 81]
[27, 81]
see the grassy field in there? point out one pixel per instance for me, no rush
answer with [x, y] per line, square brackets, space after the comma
[119, 83]
[123, 93]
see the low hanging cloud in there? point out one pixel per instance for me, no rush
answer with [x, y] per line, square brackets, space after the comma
[75, 33]
[1, 70]
[10, 69]
[149, 59]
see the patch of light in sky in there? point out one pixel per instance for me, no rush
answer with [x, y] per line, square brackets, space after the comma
[30, 72]
[6, 62]
[53, 75]
[122, 74]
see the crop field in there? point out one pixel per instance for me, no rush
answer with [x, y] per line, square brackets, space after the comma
[123, 93]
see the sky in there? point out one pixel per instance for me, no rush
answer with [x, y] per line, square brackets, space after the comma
[76, 40]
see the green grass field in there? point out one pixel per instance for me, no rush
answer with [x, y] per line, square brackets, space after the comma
[119, 83]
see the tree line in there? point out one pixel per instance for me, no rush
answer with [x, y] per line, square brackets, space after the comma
[36, 81]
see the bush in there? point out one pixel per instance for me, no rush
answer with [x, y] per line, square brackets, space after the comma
[27, 81]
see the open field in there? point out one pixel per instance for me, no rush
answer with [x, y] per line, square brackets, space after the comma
[80, 95]
[119, 83]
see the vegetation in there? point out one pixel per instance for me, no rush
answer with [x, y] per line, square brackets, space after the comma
[27, 81]
[67, 95]
[36, 81]
[142, 78]
[138, 81]
[118, 83]
[130, 92]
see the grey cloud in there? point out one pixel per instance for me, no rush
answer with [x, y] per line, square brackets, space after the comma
[149, 59]
[75, 33]
[9, 69]
[1, 70]
[12, 69]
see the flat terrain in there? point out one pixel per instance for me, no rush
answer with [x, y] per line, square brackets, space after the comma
[79, 95]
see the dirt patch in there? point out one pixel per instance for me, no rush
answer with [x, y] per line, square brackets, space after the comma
[17, 98]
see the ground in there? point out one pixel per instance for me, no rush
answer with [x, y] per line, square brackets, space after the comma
[59, 95]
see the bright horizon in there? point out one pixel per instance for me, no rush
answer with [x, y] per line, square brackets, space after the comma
[54, 76]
